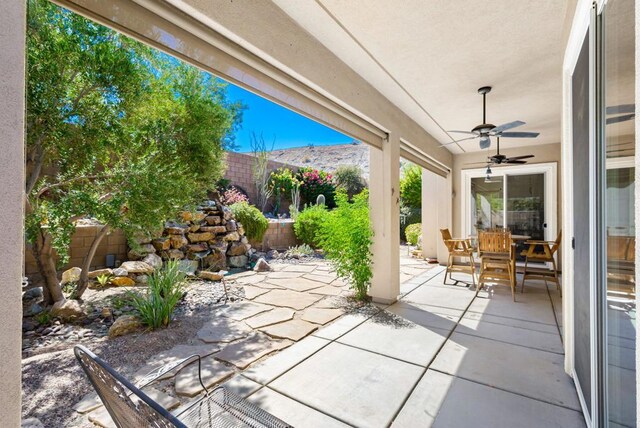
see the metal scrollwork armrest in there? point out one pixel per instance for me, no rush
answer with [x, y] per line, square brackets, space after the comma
[156, 374]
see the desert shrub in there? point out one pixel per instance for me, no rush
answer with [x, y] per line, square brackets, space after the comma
[315, 182]
[408, 216]
[156, 305]
[308, 224]
[299, 251]
[413, 232]
[349, 178]
[232, 196]
[282, 182]
[346, 237]
[103, 280]
[254, 222]
[411, 186]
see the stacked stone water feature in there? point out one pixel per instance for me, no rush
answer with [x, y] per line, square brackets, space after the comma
[209, 237]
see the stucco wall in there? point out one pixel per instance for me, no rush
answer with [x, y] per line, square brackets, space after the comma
[12, 55]
[543, 154]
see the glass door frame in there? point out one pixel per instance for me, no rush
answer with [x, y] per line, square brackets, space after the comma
[548, 169]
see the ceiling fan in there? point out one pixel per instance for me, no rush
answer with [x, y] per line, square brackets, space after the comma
[486, 130]
[499, 159]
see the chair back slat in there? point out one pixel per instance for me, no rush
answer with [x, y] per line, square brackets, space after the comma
[498, 241]
[116, 394]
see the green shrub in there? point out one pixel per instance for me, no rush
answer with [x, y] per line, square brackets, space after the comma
[282, 181]
[346, 237]
[413, 232]
[299, 251]
[314, 182]
[308, 224]
[156, 306]
[411, 186]
[408, 216]
[254, 222]
[349, 178]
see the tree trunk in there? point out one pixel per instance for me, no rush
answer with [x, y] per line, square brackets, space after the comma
[43, 253]
[86, 264]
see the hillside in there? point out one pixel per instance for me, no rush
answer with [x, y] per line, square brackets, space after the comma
[327, 158]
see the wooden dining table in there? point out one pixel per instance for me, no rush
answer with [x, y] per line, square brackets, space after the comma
[515, 239]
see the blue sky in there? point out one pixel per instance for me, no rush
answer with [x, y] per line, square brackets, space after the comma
[288, 128]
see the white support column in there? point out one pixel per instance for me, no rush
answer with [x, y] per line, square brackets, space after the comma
[436, 214]
[384, 200]
[12, 84]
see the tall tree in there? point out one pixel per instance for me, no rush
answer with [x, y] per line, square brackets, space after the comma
[115, 132]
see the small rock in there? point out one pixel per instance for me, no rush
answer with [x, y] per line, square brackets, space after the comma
[123, 281]
[142, 279]
[31, 423]
[124, 325]
[237, 249]
[120, 272]
[273, 254]
[153, 260]
[211, 276]
[262, 266]
[141, 251]
[173, 254]
[28, 325]
[67, 310]
[32, 293]
[213, 220]
[137, 267]
[161, 244]
[197, 248]
[200, 237]
[188, 266]
[238, 261]
[215, 261]
[71, 275]
[106, 313]
[178, 241]
[96, 273]
[176, 230]
[232, 236]
[231, 226]
[34, 309]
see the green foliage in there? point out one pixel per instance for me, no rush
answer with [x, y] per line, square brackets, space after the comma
[346, 237]
[165, 290]
[43, 318]
[132, 135]
[308, 223]
[282, 182]
[349, 178]
[254, 222]
[413, 232]
[411, 186]
[408, 216]
[315, 182]
[103, 280]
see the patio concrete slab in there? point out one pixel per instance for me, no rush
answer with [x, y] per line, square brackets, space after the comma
[526, 325]
[241, 386]
[325, 279]
[426, 316]
[272, 317]
[529, 306]
[294, 329]
[291, 411]
[341, 326]
[327, 290]
[300, 268]
[296, 284]
[507, 333]
[526, 371]
[241, 310]
[178, 352]
[321, 316]
[222, 329]
[245, 352]
[266, 371]
[288, 299]
[102, 418]
[284, 275]
[239, 275]
[444, 297]
[254, 279]
[187, 382]
[251, 292]
[356, 386]
[394, 336]
[440, 400]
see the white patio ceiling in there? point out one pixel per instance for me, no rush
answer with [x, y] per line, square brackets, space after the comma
[430, 57]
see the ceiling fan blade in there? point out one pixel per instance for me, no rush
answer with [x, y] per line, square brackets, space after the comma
[478, 163]
[521, 157]
[519, 134]
[514, 161]
[619, 119]
[505, 126]
[622, 108]
[485, 142]
[465, 132]
[457, 141]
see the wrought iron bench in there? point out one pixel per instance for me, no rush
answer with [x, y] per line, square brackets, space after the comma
[129, 407]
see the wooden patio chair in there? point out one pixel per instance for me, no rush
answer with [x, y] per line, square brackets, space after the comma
[621, 252]
[497, 259]
[545, 255]
[458, 248]
[129, 407]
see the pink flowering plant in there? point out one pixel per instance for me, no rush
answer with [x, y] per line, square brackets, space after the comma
[232, 196]
[314, 182]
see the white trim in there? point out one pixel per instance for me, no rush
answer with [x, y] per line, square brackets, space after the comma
[583, 403]
[619, 163]
[549, 170]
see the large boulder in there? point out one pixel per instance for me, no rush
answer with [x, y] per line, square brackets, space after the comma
[67, 310]
[96, 273]
[153, 260]
[210, 276]
[137, 267]
[125, 324]
[122, 281]
[71, 275]
[141, 251]
[120, 272]
[238, 261]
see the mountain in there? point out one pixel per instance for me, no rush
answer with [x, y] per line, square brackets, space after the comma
[326, 158]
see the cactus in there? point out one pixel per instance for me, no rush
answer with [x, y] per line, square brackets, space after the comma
[320, 200]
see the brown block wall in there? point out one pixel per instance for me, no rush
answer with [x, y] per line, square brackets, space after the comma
[115, 243]
[279, 236]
